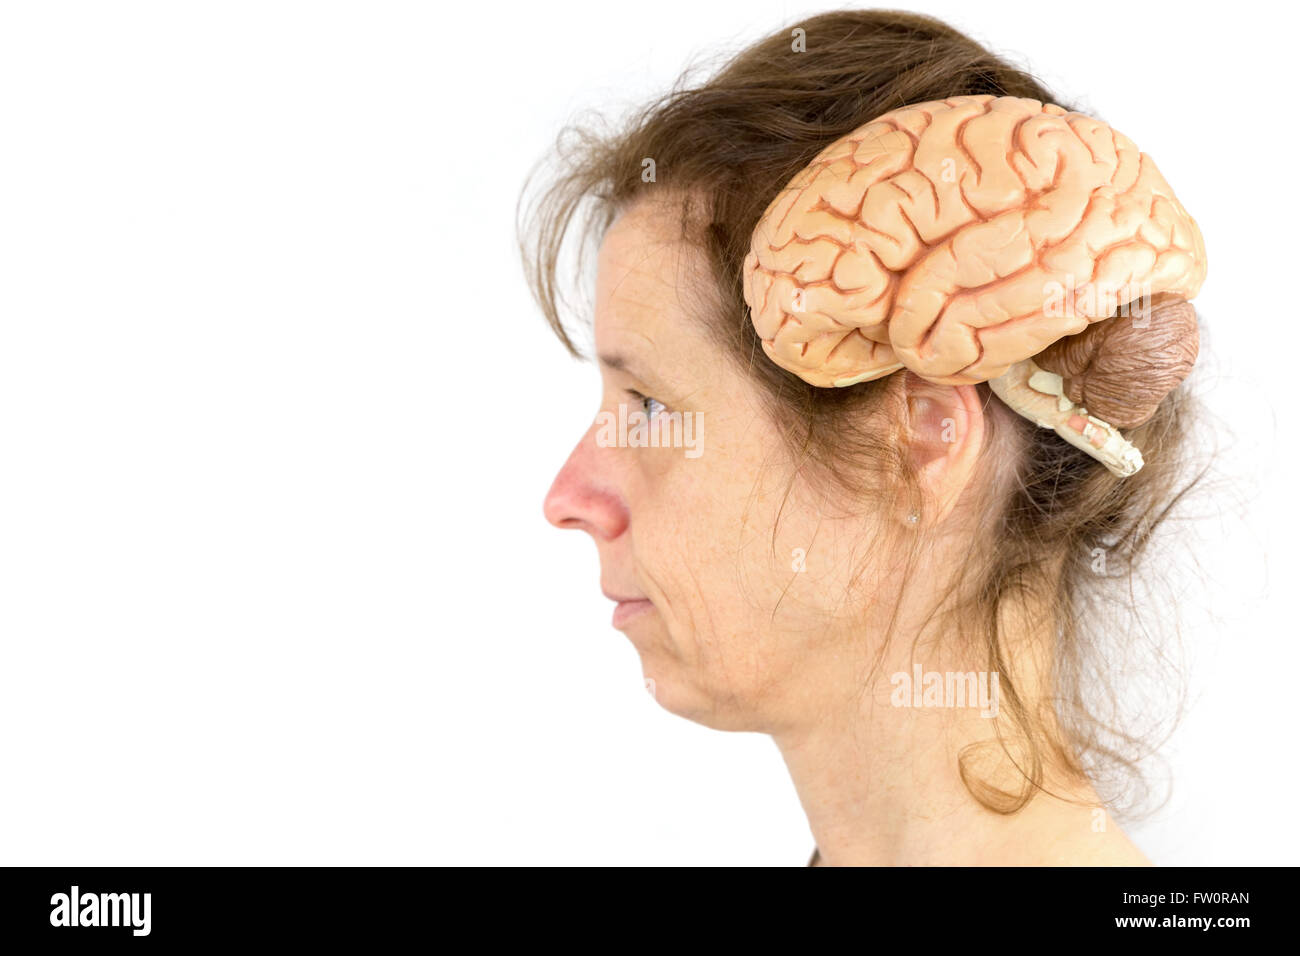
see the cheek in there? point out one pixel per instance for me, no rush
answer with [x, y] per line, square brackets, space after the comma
[703, 528]
[687, 560]
[710, 552]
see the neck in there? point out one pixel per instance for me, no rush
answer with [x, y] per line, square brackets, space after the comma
[881, 784]
[904, 806]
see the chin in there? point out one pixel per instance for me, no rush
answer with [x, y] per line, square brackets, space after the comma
[678, 694]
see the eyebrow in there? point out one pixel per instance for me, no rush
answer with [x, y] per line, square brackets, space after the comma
[620, 363]
[667, 391]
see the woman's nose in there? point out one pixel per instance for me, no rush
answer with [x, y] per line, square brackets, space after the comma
[582, 495]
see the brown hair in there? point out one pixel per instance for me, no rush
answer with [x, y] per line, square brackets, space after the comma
[727, 146]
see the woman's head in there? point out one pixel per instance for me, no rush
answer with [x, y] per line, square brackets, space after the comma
[764, 582]
[781, 566]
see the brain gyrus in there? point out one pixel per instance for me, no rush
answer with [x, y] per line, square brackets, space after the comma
[959, 237]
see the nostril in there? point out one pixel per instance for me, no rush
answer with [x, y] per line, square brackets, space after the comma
[554, 515]
[599, 512]
[560, 509]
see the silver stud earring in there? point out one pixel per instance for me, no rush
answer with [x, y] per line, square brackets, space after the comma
[914, 516]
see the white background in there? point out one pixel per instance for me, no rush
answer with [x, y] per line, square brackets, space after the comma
[277, 417]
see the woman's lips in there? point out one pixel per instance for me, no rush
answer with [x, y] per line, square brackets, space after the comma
[627, 607]
[626, 610]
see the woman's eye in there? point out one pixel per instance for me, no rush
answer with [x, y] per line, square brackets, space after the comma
[651, 406]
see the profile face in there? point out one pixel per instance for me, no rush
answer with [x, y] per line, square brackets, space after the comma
[744, 588]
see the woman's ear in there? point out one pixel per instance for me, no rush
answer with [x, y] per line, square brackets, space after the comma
[945, 433]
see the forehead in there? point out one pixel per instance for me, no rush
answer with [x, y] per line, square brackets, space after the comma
[647, 279]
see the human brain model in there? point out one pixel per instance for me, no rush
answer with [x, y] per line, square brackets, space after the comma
[984, 238]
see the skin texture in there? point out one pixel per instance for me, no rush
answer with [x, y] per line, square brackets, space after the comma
[736, 640]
